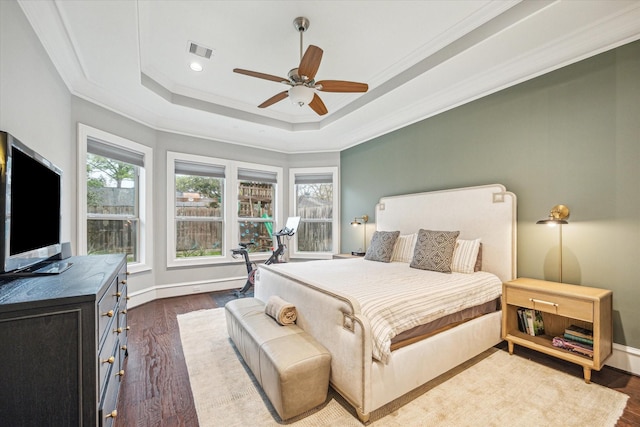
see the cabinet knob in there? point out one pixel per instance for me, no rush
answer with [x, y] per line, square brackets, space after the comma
[128, 328]
[123, 282]
[124, 311]
[120, 373]
[112, 414]
[124, 347]
[108, 313]
[117, 294]
[109, 360]
[118, 330]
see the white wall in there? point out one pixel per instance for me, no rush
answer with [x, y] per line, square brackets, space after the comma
[35, 103]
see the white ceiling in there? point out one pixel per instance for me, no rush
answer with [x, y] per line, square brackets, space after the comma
[419, 58]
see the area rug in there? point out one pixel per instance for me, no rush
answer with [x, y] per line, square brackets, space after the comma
[493, 389]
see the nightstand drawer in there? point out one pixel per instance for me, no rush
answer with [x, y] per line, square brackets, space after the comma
[556, 304]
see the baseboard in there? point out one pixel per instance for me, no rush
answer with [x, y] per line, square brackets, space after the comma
[180, 289]
[625, 358]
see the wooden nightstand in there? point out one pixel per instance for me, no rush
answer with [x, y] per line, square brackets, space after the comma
[561, 305]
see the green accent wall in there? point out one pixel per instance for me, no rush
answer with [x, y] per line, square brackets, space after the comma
[568, 137]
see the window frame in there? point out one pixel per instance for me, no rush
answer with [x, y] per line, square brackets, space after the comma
[230, 204]
[335, 223]
[144, 192]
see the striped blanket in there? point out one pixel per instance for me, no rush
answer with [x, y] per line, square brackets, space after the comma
[393, 296]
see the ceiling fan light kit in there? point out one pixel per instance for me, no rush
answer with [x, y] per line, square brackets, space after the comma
[301, 95]
[302, 79]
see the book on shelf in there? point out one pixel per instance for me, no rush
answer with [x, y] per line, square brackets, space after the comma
[538, 323]
[522, 322]
[578, 339]
[573, 346]
[577, 331]
[530, 321]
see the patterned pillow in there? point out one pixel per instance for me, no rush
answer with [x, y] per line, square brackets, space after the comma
[434, 250]
[465, 256]
[403, 249]
[381, 246]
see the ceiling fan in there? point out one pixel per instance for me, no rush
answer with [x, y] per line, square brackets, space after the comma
[302, 79]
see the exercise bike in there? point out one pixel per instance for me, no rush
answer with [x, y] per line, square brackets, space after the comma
[275, 258]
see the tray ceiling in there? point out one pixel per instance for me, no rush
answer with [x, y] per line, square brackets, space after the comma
[419, 58]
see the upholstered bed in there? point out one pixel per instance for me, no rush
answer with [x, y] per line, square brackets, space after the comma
[365, 311]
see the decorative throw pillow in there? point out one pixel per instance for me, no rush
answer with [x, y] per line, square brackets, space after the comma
[465, 256]
[381, 246]
[434, 250]
[403, 249]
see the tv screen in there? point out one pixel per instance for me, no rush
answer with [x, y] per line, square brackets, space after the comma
[35, 204]
[31, 206]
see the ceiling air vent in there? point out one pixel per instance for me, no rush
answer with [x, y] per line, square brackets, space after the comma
[201, 51]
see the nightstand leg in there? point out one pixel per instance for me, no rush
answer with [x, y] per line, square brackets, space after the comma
[587, 374]
[510, 347]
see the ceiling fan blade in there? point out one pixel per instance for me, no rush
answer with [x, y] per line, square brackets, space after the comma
[275, 98]
[261, 75]
[341, 86]
[310, 62]
[317, 105]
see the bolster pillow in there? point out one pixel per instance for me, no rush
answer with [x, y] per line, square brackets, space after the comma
[283, 312]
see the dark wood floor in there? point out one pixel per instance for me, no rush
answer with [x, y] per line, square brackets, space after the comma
[156, 392]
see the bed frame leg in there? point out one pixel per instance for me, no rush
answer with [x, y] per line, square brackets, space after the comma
[364, 418]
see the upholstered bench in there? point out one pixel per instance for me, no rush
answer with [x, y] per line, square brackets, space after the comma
[291, 366]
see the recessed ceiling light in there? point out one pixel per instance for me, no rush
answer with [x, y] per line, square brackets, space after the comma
[195, 66]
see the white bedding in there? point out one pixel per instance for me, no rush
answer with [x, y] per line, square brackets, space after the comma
[393, 296]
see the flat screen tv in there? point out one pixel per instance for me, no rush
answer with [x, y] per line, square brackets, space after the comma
[31, 191]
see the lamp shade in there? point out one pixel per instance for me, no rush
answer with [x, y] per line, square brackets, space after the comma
[558, 215]
[301, 95]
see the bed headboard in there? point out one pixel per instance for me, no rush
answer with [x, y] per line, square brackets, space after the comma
[487, 212]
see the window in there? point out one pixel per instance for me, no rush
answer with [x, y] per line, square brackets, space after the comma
[113, 196]
[256, 194]
[199, 208]
[216, 204]
[315, 200]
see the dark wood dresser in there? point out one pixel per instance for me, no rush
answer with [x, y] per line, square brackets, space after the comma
[62, 344]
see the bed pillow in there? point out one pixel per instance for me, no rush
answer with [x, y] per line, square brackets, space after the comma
[465, 256]
[434, 250]
[403, 249]
[478, 266]
[381, 246]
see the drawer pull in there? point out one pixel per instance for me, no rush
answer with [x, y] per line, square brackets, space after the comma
[112, 414]
[109, 360]
[533, 300]
[108, 313]
[120, 373]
